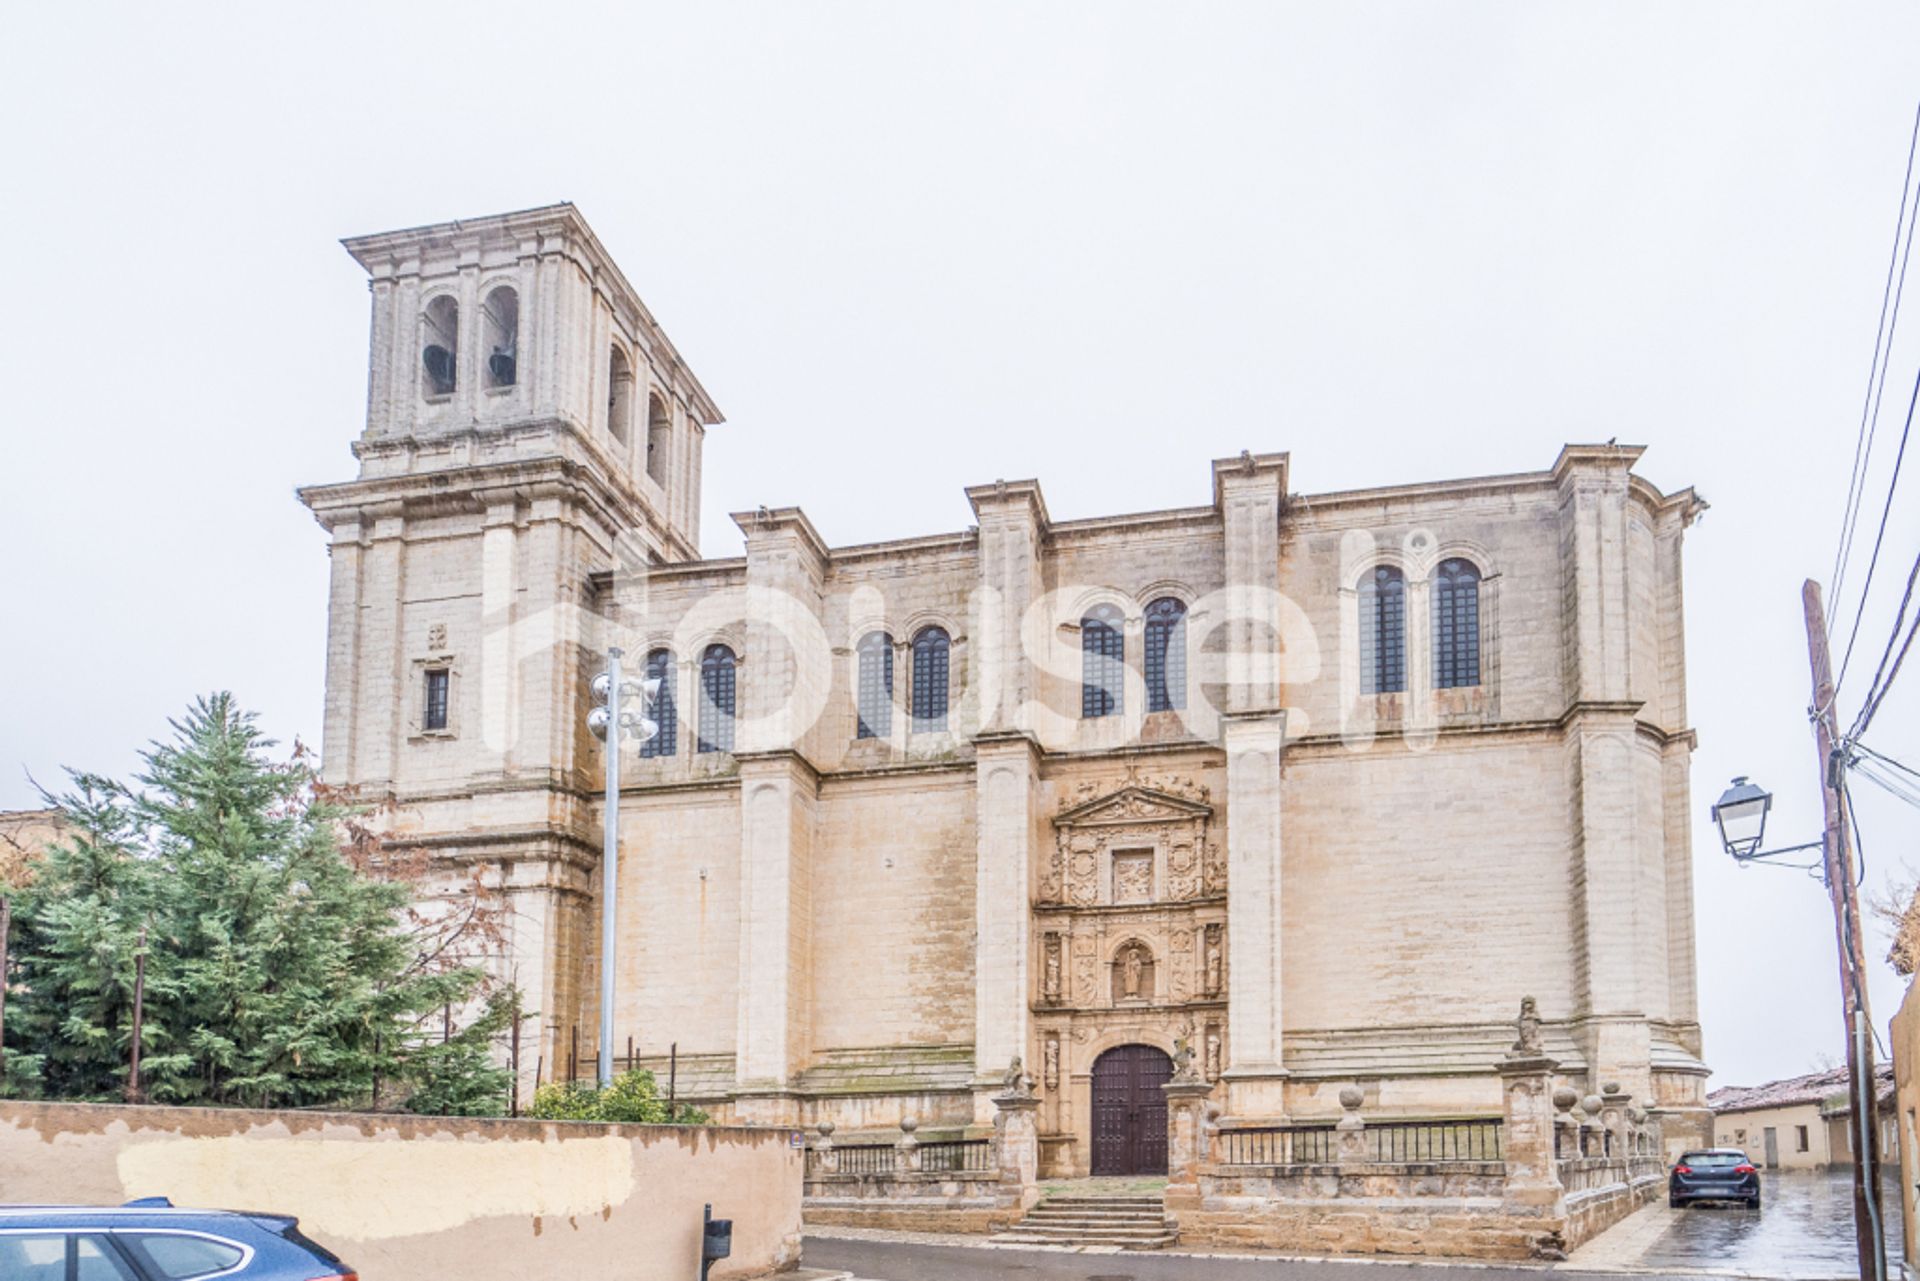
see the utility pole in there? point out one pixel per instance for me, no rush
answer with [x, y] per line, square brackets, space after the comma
[1837, 858]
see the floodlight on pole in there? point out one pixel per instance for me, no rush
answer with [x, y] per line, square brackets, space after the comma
[609, 690]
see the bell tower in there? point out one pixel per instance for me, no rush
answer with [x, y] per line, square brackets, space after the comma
[528, 421]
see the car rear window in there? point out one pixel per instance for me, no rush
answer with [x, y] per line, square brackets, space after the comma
[1714, 1160]
[181, 1257]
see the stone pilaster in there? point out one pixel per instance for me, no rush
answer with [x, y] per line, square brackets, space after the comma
[1187, 1141]
[1255, 1075]
[1248, 492]
[1012, 517]
[1006, 774]
[1527, 1143]
[778, 798]
[1016, 1146]
[1619, 887]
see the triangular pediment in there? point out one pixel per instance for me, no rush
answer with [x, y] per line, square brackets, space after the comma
[1133, 804]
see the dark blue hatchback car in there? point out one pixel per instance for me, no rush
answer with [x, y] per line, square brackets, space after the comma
[153, 1240]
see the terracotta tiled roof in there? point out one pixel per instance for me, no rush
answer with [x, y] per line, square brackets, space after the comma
[1815, 1087]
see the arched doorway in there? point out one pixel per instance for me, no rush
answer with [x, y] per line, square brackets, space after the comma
[1130, 1110]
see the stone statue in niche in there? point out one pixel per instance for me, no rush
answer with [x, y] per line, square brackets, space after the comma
[1215, 961]
[1213, 1053]
[1052, 1064]
[1050, 982]
[1133, 974]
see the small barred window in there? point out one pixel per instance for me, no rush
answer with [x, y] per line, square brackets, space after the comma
[1102, 663]
[931, 656]
[660, 667]
[1166, 657]
[874, 697]
[717, 679]
[1383, 632]
[1456, 625]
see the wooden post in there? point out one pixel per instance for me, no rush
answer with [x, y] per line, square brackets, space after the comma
[1837, 854]
[6, 927]
[673, 1072]
[513, 1059]
[139, 1002]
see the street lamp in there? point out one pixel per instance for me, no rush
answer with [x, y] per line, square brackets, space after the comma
[1741, 815]
[608, 689]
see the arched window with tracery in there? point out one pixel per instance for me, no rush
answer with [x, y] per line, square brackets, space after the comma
[874, 695]
[1456, 625]
[931, 660]
[1102, 663]
[717, 682]
[1383, 631]
[660, 667]
[1166, 656]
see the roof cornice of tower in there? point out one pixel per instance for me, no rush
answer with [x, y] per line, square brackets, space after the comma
[548, 229]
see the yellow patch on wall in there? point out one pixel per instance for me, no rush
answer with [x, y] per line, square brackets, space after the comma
[364, 1191]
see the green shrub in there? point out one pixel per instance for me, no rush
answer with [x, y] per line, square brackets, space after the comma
[633, 1098]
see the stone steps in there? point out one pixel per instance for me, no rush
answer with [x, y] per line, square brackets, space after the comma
[1123, 1222]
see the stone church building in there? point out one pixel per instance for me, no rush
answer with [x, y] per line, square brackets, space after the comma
[1319, 785]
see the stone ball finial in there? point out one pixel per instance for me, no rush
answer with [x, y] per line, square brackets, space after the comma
[1591, 1104]
[1637, 1115]
[1565, 1097]
[826, 1129]
[1610, 1087]
[909, 1124]
[1351, 1098]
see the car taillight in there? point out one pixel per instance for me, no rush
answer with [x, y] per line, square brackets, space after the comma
[1744, 1169]
[1683, 1169]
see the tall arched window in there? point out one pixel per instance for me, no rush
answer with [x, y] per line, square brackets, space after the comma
[1166, 656]
[1102, 663]
[665, 714]
[716, 700]
[1456, 625]
[874, 697]
[659, 438]
[1383, 631]
[619, 394]
[930, 665]
[500, 317]
[440, 344]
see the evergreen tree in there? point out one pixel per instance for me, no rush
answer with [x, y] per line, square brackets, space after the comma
[279, 972]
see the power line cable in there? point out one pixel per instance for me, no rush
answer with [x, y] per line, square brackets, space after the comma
[1882, 340]
[1884, 759]
[1875, 689]
[1879, 537]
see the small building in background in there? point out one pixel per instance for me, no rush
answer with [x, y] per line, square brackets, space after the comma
[1801, 1123]
[24, 836]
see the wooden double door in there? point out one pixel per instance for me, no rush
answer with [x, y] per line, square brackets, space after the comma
[1130, 1110]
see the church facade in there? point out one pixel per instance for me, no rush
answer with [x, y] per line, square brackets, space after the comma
[1318, 785]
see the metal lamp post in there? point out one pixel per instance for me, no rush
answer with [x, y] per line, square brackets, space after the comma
[609, 689]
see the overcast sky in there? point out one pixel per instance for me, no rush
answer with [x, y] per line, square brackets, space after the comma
[914, 247]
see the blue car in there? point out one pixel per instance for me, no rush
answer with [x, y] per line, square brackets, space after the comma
[152, 1240]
